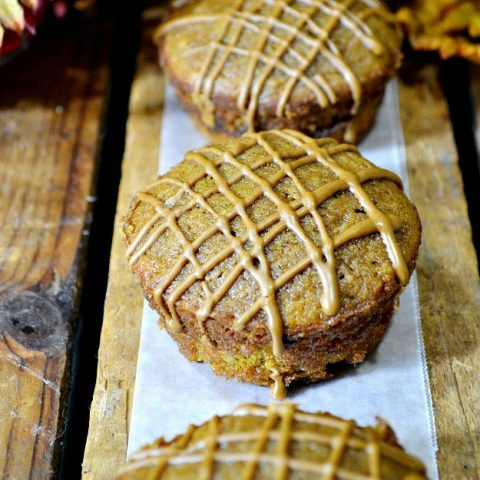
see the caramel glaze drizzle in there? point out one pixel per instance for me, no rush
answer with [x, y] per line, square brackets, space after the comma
[287, 216]
[282, 425]
[315, 38]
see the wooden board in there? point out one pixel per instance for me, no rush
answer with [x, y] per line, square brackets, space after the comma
[110, 411]
[51, 102]
[449, 288]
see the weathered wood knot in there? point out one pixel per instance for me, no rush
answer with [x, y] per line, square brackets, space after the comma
[34, 322]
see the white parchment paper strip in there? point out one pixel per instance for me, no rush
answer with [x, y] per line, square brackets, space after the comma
[171, 392]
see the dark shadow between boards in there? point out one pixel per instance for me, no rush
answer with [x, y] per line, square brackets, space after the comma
[125, 20]
[455, 78]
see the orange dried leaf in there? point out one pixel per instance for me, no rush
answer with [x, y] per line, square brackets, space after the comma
[32, 4]
[450, 27]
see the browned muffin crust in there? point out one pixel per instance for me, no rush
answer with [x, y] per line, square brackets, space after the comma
[263, 261]
[273, 443]
[251, 66]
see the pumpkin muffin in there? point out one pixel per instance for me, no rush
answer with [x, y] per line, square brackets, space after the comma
[276, 442]
[319, 67]
[274, 255]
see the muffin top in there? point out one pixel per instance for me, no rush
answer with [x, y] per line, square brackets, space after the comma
[273, 228]
[277, 442]
[279, 56]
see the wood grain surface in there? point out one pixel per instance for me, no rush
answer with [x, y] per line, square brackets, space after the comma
[448, 282]
[110, 411]
[447, 273]
[51, 101]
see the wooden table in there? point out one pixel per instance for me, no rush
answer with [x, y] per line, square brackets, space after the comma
[52, 99]
[53, 141]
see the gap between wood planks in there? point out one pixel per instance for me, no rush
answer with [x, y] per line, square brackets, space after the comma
[112, 141]
[456, 82]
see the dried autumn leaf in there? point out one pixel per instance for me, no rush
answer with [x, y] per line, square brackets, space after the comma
[20, 18]
[32, 4]
[11, 15]
[452, 27]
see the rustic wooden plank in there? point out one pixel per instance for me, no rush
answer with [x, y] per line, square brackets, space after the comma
[448, 283]
[50, 109]
[447, 273]
[110, 412]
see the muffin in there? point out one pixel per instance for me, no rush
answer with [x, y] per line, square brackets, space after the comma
[276, 442]
[274, 255]
[245, 66]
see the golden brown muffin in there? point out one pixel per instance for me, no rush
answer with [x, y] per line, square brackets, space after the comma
[317, 66]
[276, 442]
[274, 255]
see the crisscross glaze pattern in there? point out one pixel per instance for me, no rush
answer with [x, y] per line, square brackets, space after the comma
[249, 247]
[285, 38]
[279, 442]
